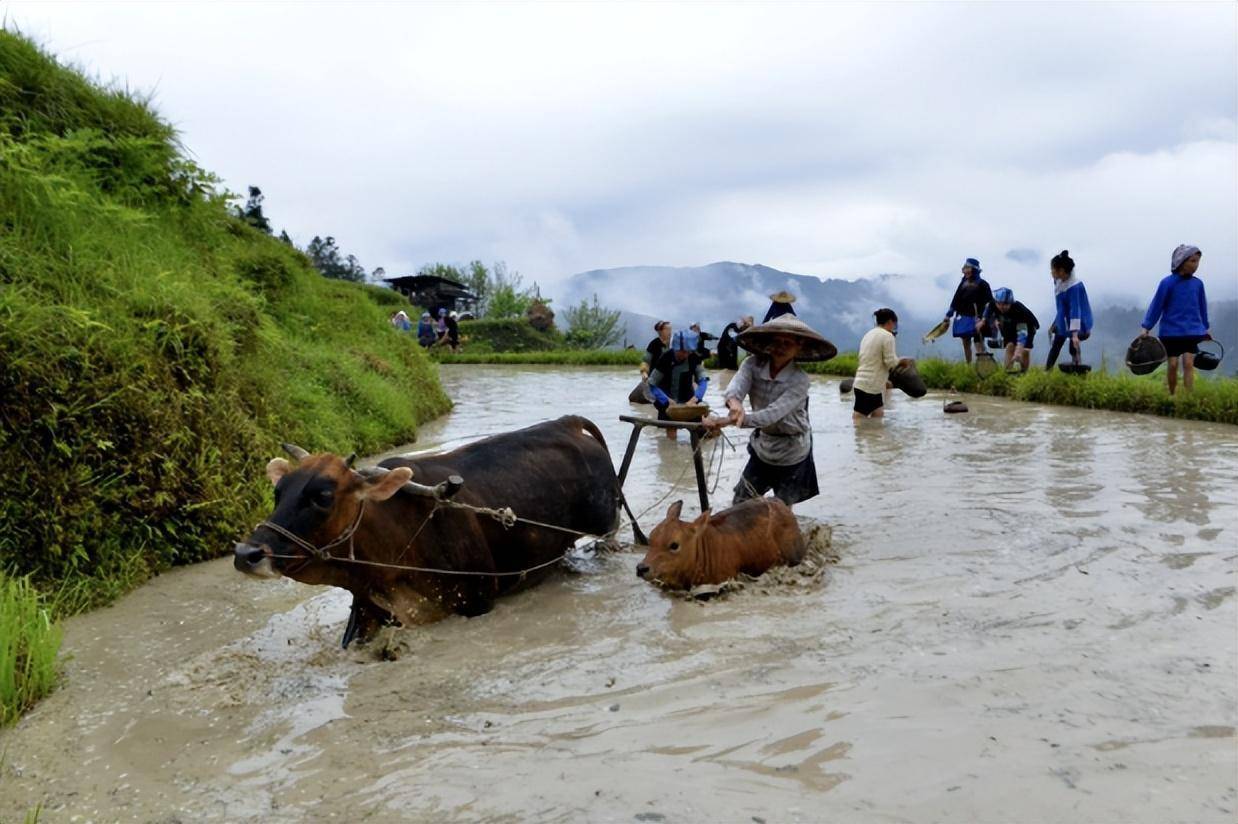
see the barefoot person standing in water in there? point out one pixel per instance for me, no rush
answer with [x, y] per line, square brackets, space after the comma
[1182, 309]
[877, 358]
[780, 449]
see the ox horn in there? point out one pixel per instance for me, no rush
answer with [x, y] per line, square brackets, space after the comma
[441, 491]
[295, 451]
[348, 461]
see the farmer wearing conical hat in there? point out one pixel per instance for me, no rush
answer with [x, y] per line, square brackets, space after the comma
[780, 304]
[780, 449]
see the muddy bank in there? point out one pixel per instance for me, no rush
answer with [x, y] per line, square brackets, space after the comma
[1032, 619]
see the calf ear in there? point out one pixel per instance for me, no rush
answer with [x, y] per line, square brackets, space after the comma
[673, 513]
[701, 522]
[385, 485]
[277, 469]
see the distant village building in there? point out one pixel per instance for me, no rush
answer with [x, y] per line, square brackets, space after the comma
[433, 293]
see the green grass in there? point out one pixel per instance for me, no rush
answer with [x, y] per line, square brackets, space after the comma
[508, 335]
[154, 350]
[29, 641]
[1214, 399]
[564, 357]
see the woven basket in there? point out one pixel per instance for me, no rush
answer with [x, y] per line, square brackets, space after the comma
[1145, 355]
[907, 379]
[1208, 361]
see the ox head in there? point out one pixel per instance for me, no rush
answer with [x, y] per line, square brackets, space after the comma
[317, 500]
[673, 549]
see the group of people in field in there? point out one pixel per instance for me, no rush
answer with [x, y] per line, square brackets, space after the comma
[1180, 307]
[776, 389]
[445, 331]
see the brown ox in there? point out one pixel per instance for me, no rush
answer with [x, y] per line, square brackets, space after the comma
[334, 525]
[750, 537]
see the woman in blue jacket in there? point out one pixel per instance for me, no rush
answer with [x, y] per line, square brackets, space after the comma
[1182, 309]
[969, 306]
[1073, 321]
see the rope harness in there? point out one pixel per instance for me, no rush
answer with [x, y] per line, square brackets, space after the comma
[505, 516]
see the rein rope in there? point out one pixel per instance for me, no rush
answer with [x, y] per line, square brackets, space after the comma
[503, 515]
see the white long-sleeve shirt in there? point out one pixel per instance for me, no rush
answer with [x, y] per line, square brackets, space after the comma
[877, 358]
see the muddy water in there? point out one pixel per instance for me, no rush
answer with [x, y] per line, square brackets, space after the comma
[1033, 619]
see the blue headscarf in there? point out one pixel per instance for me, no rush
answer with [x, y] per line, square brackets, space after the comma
[974, 264]
[1003, 295]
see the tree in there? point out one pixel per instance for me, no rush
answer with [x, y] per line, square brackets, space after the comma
[478, 282]
[251, 212]
[592, 326]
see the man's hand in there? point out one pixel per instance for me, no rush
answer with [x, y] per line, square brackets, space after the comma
[713, 424]
[1143, 333]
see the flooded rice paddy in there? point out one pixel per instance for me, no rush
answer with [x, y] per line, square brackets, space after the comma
[1032, 619]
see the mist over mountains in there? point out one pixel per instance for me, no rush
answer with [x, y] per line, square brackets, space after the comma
[719, 293]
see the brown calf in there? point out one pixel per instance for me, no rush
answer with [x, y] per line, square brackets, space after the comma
[750, 537]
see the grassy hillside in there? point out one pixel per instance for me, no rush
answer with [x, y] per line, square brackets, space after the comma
[154, 349]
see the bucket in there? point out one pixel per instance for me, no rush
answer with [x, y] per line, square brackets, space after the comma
[906, 378]
[1145, 354]
[1208, 361]
[985, 364]
[993, 343]
[954, 407]
[845, 386]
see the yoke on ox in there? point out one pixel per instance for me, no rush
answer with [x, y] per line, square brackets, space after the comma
[404, 552]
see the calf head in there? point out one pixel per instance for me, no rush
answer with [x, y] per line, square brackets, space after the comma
[674, 548]
[317, 500]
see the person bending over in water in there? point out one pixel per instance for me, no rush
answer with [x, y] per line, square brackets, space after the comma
[679, 377]
[780, 449]
[1017, 327]
[1073, 321]
[968, 306]
[877, 358]
[1182, 309]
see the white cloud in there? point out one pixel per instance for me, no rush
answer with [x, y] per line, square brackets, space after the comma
[832, 139]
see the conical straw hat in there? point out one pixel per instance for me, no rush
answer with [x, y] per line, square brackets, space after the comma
[814, 347]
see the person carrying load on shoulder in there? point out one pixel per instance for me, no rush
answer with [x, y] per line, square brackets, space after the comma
[780, 448]
[968, 307]
[1017, 327]
[877, 358]
[656, 347]
[1181, 307]
[1073, 320]
[678, 376]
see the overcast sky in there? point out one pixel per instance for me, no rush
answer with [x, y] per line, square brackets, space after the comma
[834, 140]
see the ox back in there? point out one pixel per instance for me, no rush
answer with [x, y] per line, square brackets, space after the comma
[558, 472]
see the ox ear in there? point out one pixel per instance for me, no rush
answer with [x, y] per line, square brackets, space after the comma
[384, 486]
[672, 514]
[278, 468]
